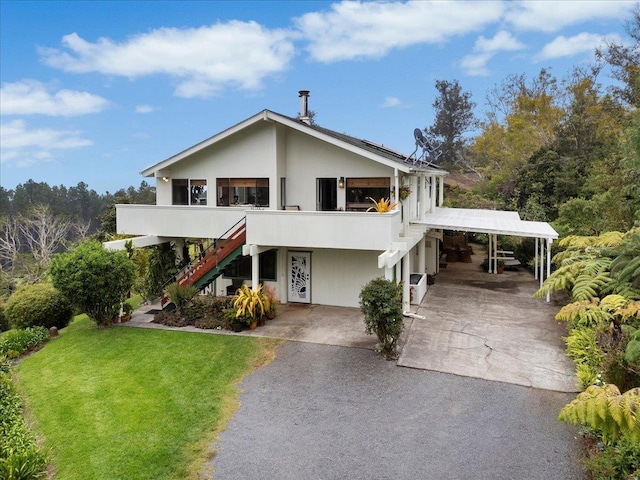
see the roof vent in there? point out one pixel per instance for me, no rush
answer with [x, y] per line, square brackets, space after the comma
[304, 106]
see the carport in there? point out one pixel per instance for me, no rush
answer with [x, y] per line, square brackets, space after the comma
[494, 223]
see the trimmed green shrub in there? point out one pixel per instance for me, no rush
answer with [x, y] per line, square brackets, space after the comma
[94, 279]
[4, 324]
[16, 342]
[38, 305]
[19, 455]
[381, 303]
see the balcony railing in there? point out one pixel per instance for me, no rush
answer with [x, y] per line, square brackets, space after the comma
[305, 229]
[296, 229]
[176, 221]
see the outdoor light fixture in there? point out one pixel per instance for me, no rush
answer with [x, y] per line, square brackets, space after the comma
[165, 179]
[341, 182]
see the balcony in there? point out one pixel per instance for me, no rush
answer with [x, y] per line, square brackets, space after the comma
[296, 229]
[176, 221]
[310, 229]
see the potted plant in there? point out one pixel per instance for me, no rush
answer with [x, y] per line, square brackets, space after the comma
[237, 324]
[249, 305]
[405, 191]
[500, 266]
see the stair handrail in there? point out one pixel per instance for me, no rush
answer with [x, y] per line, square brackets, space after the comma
[217, 243]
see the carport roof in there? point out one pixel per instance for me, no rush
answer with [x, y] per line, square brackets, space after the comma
[486, 221]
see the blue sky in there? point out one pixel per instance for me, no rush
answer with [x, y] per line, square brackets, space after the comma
[95, 91]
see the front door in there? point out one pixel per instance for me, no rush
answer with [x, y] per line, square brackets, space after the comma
[299, 277]
[327, 194]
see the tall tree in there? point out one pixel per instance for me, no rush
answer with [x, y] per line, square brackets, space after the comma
[625, 62]
[454, 118]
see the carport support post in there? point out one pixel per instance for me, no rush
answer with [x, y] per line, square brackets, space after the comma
[490, 254]
[535, 256]
[548, 264]
[422, 264]
[406, 279]
[541, 275]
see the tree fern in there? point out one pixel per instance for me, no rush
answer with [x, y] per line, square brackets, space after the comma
[606, 410]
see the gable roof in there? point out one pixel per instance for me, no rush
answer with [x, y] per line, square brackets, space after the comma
[365, 148]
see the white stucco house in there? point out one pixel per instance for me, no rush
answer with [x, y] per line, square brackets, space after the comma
[291, 197]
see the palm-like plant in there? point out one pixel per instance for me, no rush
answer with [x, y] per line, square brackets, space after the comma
[250, 304]
[384, 205]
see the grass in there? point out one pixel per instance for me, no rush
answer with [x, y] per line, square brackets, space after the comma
[129, 403]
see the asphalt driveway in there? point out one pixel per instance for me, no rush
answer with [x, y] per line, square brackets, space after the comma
[326, 412]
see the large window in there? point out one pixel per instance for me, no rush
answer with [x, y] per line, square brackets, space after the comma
[188, 192]
[241, 267]
[360, 189]
[243, 191]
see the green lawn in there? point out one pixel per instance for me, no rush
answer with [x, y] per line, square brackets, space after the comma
[130, 403]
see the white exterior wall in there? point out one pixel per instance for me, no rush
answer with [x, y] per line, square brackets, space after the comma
[337, 276]
[247, 154]
[309, 158]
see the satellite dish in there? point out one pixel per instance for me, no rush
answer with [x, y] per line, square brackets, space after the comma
[428, 156]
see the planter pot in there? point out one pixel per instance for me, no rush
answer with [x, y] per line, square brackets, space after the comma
[253, 325]
[262, 322]
[500, 269]
[237, 326]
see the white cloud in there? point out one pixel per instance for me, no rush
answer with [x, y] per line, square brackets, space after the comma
[391, 102]
[569, 46]
[205, 60]
[28, 97]
[144, 109]
[551, 16]
[476, 64]
[485, 49]
[22, 147]
[501, 41]
[372, 29]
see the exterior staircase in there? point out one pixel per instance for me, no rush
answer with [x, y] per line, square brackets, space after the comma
[212, 262]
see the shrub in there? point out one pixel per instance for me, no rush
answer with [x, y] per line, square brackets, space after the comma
[381, 303]
[181, 295]
[94, 279]
[38, 305]
[19, 456]
[620, 460]
[4, 324]
[16, 342]
[203, 307]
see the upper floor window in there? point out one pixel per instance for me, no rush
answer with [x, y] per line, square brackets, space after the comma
[360, 189]
[243, 191]
[188, 192]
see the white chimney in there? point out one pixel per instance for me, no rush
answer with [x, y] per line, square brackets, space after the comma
[304, 106]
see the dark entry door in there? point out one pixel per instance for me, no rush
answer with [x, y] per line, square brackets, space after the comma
[327, 197]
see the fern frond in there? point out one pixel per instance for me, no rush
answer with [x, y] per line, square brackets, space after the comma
[629, 271]
[606, 410]
[596, 266]
[613, 302]
[585, 313]
[587, 286]
[631, 310]
[561, 279]
[625, 289]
